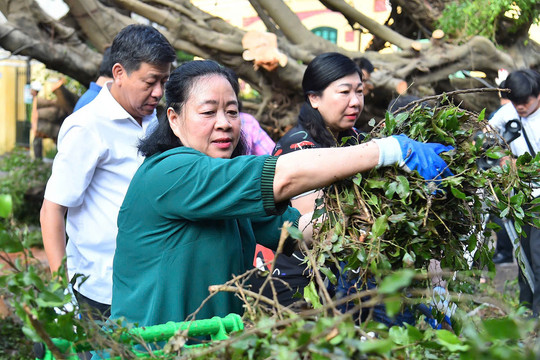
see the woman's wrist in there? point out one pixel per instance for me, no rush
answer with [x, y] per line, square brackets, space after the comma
[389, 151]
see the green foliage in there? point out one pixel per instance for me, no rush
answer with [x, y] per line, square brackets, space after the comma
[183, 56]
[466, 18]
[386, 223]
[20, 174]
[13, 344]
[388, 219]
[339, 338]
[32, 293]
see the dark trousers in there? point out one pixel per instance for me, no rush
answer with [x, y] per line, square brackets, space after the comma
[504, 244]
[91, 309]
[531, 247]
[38, 147]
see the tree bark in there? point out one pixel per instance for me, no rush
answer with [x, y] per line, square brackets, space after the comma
[374, 27]
[70, 46]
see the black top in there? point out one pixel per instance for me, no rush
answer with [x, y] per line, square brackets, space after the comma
[291, 269]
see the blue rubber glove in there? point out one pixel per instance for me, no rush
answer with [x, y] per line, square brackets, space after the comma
[413, 155]
[435, 324]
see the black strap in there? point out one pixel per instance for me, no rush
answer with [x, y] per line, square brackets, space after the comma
[531, 150]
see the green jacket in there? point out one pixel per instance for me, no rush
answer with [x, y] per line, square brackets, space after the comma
[189, 221]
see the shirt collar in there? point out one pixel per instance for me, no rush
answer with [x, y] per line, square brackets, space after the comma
[113, 110]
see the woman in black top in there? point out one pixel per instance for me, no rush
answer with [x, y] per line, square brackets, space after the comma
[334, 99]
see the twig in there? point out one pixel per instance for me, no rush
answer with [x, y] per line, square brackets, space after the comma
[451, 93]
[360, 200]
[319, 279]
[42, 333]
[261, 298]
[270, 280]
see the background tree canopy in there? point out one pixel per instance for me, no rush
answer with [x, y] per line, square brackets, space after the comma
[480, 35]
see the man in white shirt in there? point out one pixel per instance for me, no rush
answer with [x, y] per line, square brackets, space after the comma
[524, 94]
[97, 157]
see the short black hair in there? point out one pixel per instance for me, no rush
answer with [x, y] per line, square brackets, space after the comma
[503, 94]
[136, 44]
[105, 69]
[177, 91]
[522, 84]
[364, 63]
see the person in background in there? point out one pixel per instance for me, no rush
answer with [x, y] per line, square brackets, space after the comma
[195, 208]
[367, 68]
[35, 141]
[378, 83]
[257, 140]
[321, 125]
[379, 78]
[524, 95]
[503, 246]
[97, 156]
[105, 75]
[334, 99]
[257, 143]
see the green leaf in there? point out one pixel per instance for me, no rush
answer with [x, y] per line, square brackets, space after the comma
[376, 346]
[517, 226]
[396, 281]
[502, 328]
[482, 115]
[318, 213]
[9, 244]
[6, 205]
[361, 254]
[295, 233]
[450, 341]
[393, 307]
[390, 123]
[311, 296]
[457, 193]
[495, 153]
[403, 189]
[413, 333]
[473, 240]
[49, 299]
[396, 218]
[399, 335]
[391, 190]
[338, 229]
[329, 274]
[519, 213]
[409, 259]
[379, 226]
[376, 184]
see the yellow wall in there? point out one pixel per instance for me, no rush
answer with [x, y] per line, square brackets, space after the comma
[312, 13]
[8, 109]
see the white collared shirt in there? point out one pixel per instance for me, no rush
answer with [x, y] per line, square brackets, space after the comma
[97, 157]
[531, 124]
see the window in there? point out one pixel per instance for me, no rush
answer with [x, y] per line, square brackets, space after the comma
[327, 33]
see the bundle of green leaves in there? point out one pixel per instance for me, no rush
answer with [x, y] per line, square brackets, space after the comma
[389, 219]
